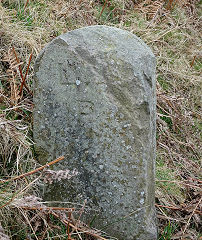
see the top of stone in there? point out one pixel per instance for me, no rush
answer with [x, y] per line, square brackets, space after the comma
[95, 37]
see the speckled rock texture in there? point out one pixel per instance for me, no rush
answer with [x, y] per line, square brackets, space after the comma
[95, 104]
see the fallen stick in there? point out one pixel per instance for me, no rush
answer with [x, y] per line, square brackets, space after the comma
[48, 208]
[33, 171]
[78, 228]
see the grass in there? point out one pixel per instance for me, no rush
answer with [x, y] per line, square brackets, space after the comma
[174, 36]
[168, 232]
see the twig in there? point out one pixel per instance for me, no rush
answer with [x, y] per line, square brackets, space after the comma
[170, 207]
[33, 171]
[103, 8]
[68, 232]
[19, 67]
[191, 216]
[20, 70]
[194, 179]
[78, 220]
[192, 63]
[163, 34]
[80, 2]
[23, 82]
[81, 211]
[18, 193]
[169, 218]
[177, 208]
[156, 15]
[170, 4]
[26, 4]
[198, 212]
[12, 198]
[49, 208]
[77, 228]
[26, 218]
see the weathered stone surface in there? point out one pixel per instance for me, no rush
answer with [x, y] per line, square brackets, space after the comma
[95, 103]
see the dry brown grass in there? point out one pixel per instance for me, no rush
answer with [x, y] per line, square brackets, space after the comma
[172, 30]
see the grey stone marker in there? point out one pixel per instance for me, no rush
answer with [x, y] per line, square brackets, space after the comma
[95, 103]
